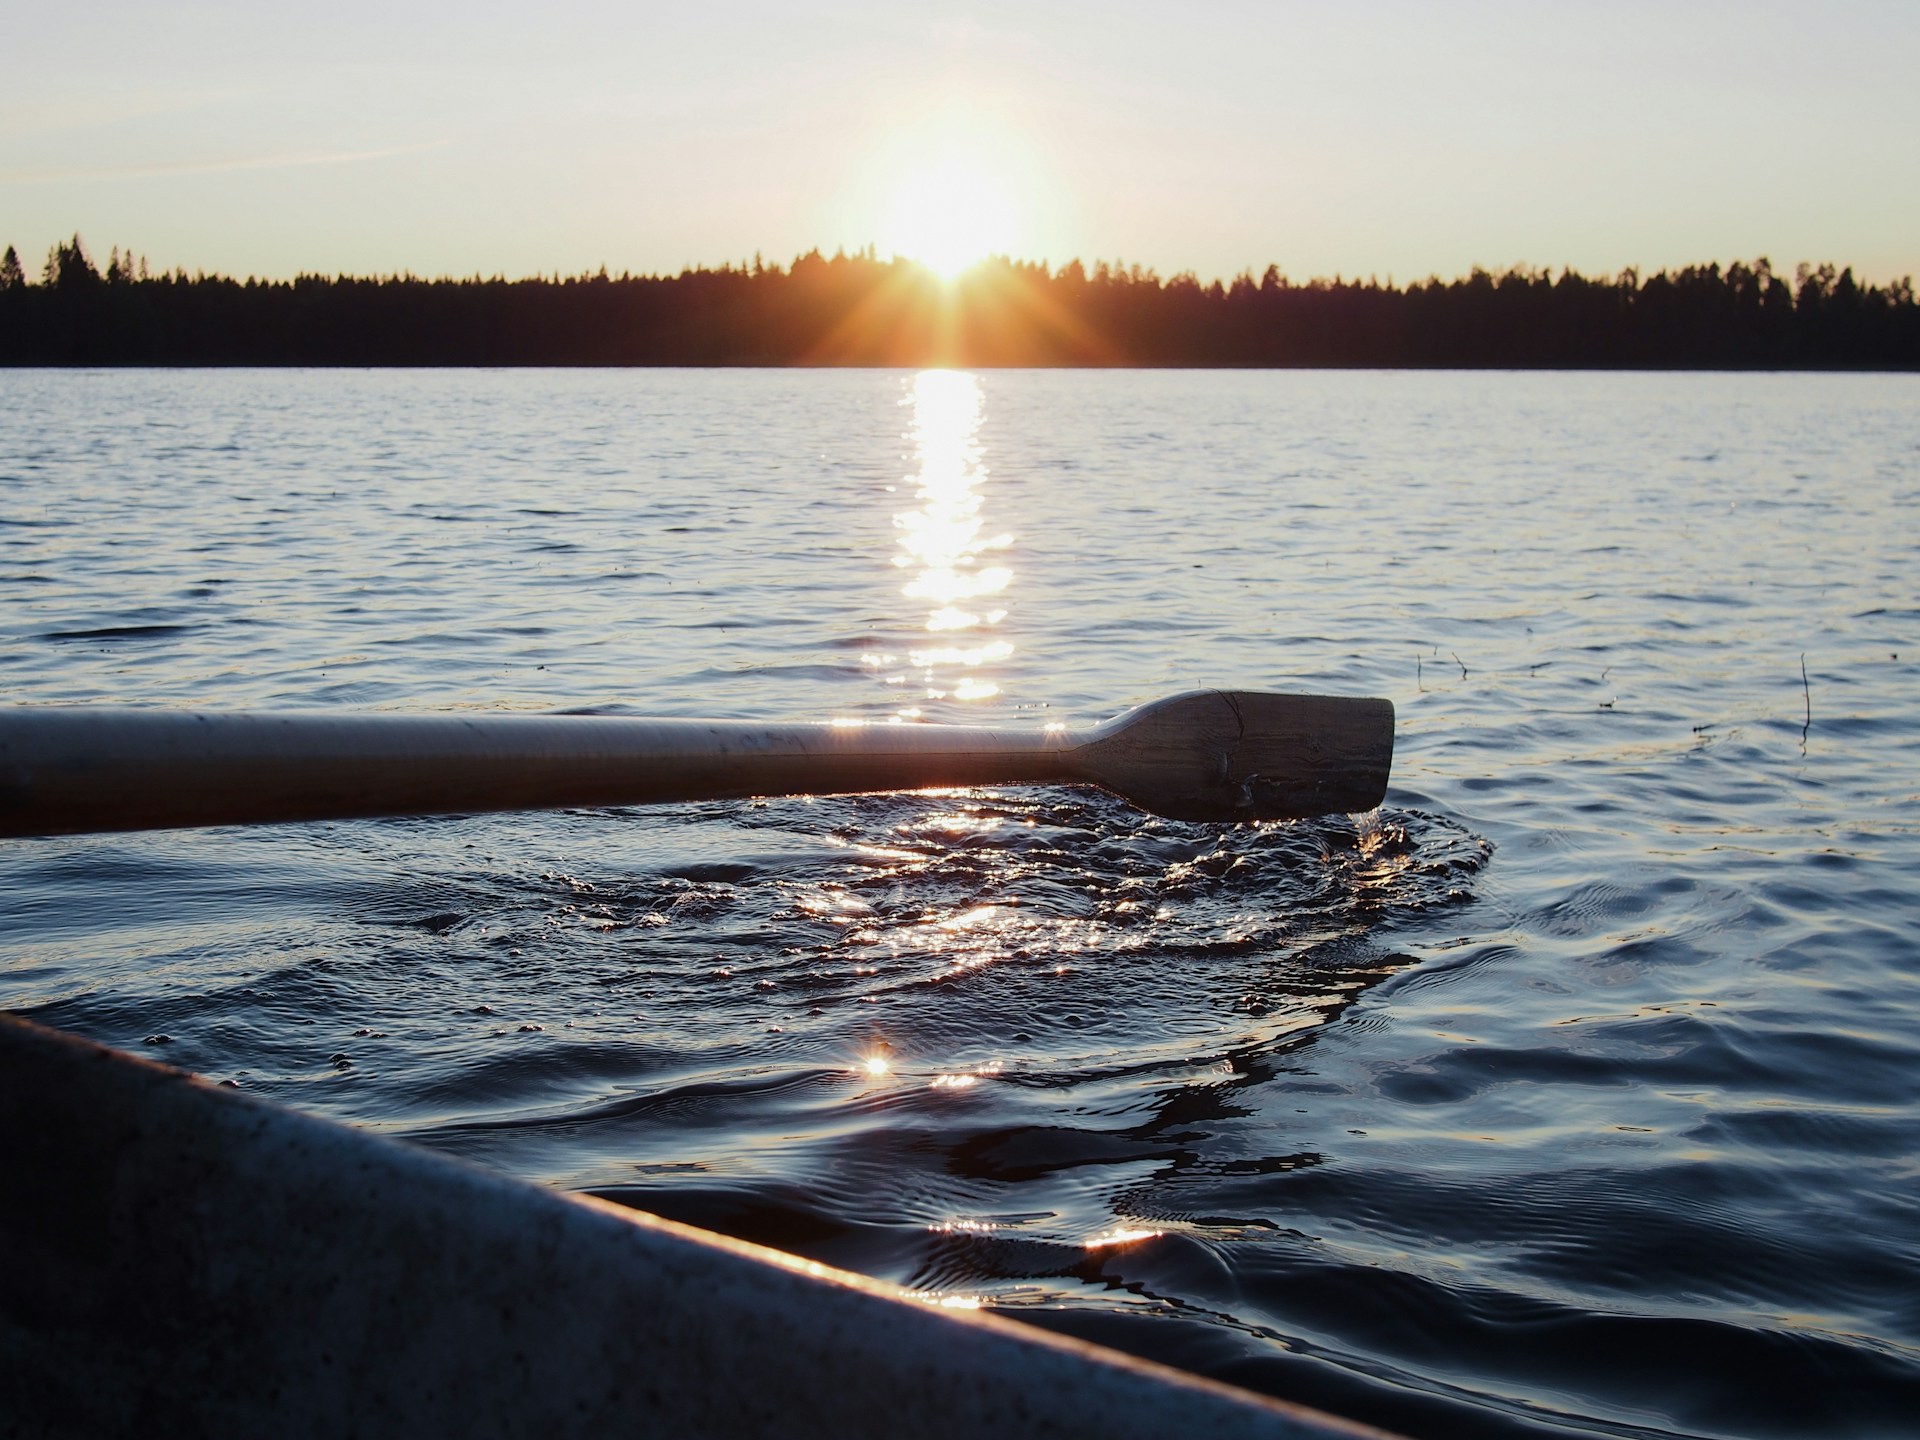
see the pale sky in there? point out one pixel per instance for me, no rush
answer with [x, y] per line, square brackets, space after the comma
[1387, 138]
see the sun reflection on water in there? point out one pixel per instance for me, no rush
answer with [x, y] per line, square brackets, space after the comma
[945, 543]
[1123, 1235]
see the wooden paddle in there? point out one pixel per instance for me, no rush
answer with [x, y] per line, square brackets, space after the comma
[1211, 755]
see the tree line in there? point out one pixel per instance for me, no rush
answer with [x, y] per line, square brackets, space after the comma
[857, 309]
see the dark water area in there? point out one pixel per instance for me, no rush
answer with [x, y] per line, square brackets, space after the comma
[1576, 1090]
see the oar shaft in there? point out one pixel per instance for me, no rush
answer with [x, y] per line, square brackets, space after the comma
[67, 771]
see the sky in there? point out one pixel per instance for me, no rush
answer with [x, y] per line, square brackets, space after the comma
[1375, 137]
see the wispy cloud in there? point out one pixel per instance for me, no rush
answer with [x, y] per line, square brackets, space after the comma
[293, 160]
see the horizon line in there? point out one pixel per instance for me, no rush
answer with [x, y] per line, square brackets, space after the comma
[869, 254]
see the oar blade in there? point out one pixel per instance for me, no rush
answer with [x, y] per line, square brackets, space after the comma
[1223, 755]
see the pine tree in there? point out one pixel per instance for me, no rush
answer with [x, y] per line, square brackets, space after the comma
[69, 268]
[12, 277]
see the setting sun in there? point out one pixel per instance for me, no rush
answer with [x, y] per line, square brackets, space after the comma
[950, 211]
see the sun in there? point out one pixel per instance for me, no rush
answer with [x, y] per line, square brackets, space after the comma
[950, 210]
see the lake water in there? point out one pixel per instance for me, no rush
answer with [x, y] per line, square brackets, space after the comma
[1577, 1090]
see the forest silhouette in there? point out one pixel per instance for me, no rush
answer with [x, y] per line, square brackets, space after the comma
[861, 310]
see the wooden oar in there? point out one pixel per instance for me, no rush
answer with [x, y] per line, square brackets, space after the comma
[1210, 755]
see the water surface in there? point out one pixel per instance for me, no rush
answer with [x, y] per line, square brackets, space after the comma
[1572, 1092]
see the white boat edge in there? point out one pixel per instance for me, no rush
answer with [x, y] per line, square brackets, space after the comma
[182, 1258]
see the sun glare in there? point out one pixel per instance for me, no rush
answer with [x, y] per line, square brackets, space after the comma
[950, 211]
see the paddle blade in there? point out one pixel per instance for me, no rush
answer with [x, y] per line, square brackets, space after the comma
[1237, 755]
